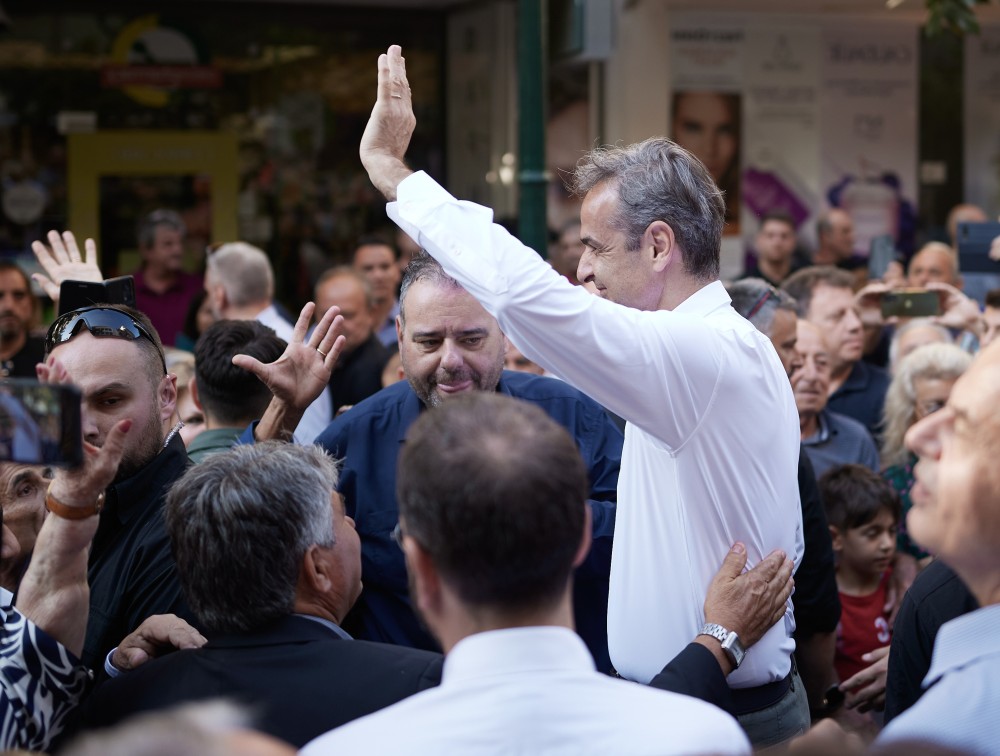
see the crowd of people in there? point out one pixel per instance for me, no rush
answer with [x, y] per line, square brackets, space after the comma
[679, 516]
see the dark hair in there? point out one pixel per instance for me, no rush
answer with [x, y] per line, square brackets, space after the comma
[422, 267]
[853, 496]
[190, 328]
[660, 180]
[155, 219]
[993, 298]
[240, 523]
[375, 240]
[781, 216]
[494, 490]
[229, 394]
[803, 283]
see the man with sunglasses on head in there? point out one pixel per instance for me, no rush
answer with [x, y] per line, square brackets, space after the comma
[114, 355]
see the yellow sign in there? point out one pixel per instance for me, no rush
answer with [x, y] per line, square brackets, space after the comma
[151, 153]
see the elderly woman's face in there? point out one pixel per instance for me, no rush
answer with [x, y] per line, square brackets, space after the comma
[931, 395]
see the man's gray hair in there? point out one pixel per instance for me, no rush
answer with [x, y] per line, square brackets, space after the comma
[660, 180]
[240, 524]
[757, 301]
[244, 272]
[423, 267]
[155, 219]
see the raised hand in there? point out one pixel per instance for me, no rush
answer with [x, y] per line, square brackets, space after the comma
[390, 126]
[62, 261]
[300, 375]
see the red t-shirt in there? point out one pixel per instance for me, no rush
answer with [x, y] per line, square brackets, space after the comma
[863, 627]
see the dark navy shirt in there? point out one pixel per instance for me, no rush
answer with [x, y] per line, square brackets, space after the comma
[368, 438]
[862, 397]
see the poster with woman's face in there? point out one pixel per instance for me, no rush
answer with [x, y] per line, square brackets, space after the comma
[708, 125]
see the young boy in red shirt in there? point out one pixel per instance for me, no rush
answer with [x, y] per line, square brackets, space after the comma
[863, 513]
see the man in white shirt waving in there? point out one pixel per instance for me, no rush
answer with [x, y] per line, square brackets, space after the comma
[711, 445]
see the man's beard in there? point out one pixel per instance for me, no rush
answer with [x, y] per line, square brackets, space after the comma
[11, 326]
[142, 451]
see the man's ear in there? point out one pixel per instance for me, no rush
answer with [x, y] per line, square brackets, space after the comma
[659, 238]
[588, 537]
[167, 394]
[424, 578]
[315, 572]
[399, 333]
[193, 390]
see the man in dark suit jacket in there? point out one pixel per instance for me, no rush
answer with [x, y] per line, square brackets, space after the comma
[270, 565]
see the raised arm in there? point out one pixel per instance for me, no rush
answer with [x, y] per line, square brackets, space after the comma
[390, 126]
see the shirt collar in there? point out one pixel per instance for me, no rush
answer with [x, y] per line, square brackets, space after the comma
[706, 300]
[823, 432]
[129, 496]
[963, 641]
[516, 651]
[332, 626]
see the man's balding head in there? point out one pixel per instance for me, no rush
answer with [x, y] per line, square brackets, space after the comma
[935, 262]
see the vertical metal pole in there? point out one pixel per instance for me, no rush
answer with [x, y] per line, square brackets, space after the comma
[532, 78]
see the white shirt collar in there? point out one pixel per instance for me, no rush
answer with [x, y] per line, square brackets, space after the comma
[516, 651]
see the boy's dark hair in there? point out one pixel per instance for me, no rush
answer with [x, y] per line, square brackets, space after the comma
[853, 496]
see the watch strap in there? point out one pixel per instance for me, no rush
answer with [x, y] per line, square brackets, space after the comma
[59, 509]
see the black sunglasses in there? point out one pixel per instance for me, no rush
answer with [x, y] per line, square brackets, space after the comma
[103, 323]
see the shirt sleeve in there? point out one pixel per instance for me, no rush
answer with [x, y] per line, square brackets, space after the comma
[41, 683]
[604, 349]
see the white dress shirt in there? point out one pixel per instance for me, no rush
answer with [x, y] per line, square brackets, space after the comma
[960, 710]
[318, 414]
[712, 440]
[534, 690]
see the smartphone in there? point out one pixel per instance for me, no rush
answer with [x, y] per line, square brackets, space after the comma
[40, 423]
[974, 240]
[882, 253]
[115, 291]
[911, 303]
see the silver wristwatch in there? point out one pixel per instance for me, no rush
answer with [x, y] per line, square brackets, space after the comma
[730, 641]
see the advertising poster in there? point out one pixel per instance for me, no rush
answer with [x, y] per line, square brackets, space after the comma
[868, 115]
[706, 103]
[781, 168]
[982, 119]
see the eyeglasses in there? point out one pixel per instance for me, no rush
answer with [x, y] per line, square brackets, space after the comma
[768, 293]
[103, 323]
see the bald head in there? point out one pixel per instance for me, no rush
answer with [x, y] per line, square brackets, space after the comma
[935, 262]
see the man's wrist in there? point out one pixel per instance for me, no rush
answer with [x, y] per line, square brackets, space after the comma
[714, 646]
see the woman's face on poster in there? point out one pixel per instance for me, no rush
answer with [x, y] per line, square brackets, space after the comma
[705, 123]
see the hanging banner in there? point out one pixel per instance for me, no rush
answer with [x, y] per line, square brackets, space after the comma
[868, 111]
[982, 119]
[807, 117]
[782, 134]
